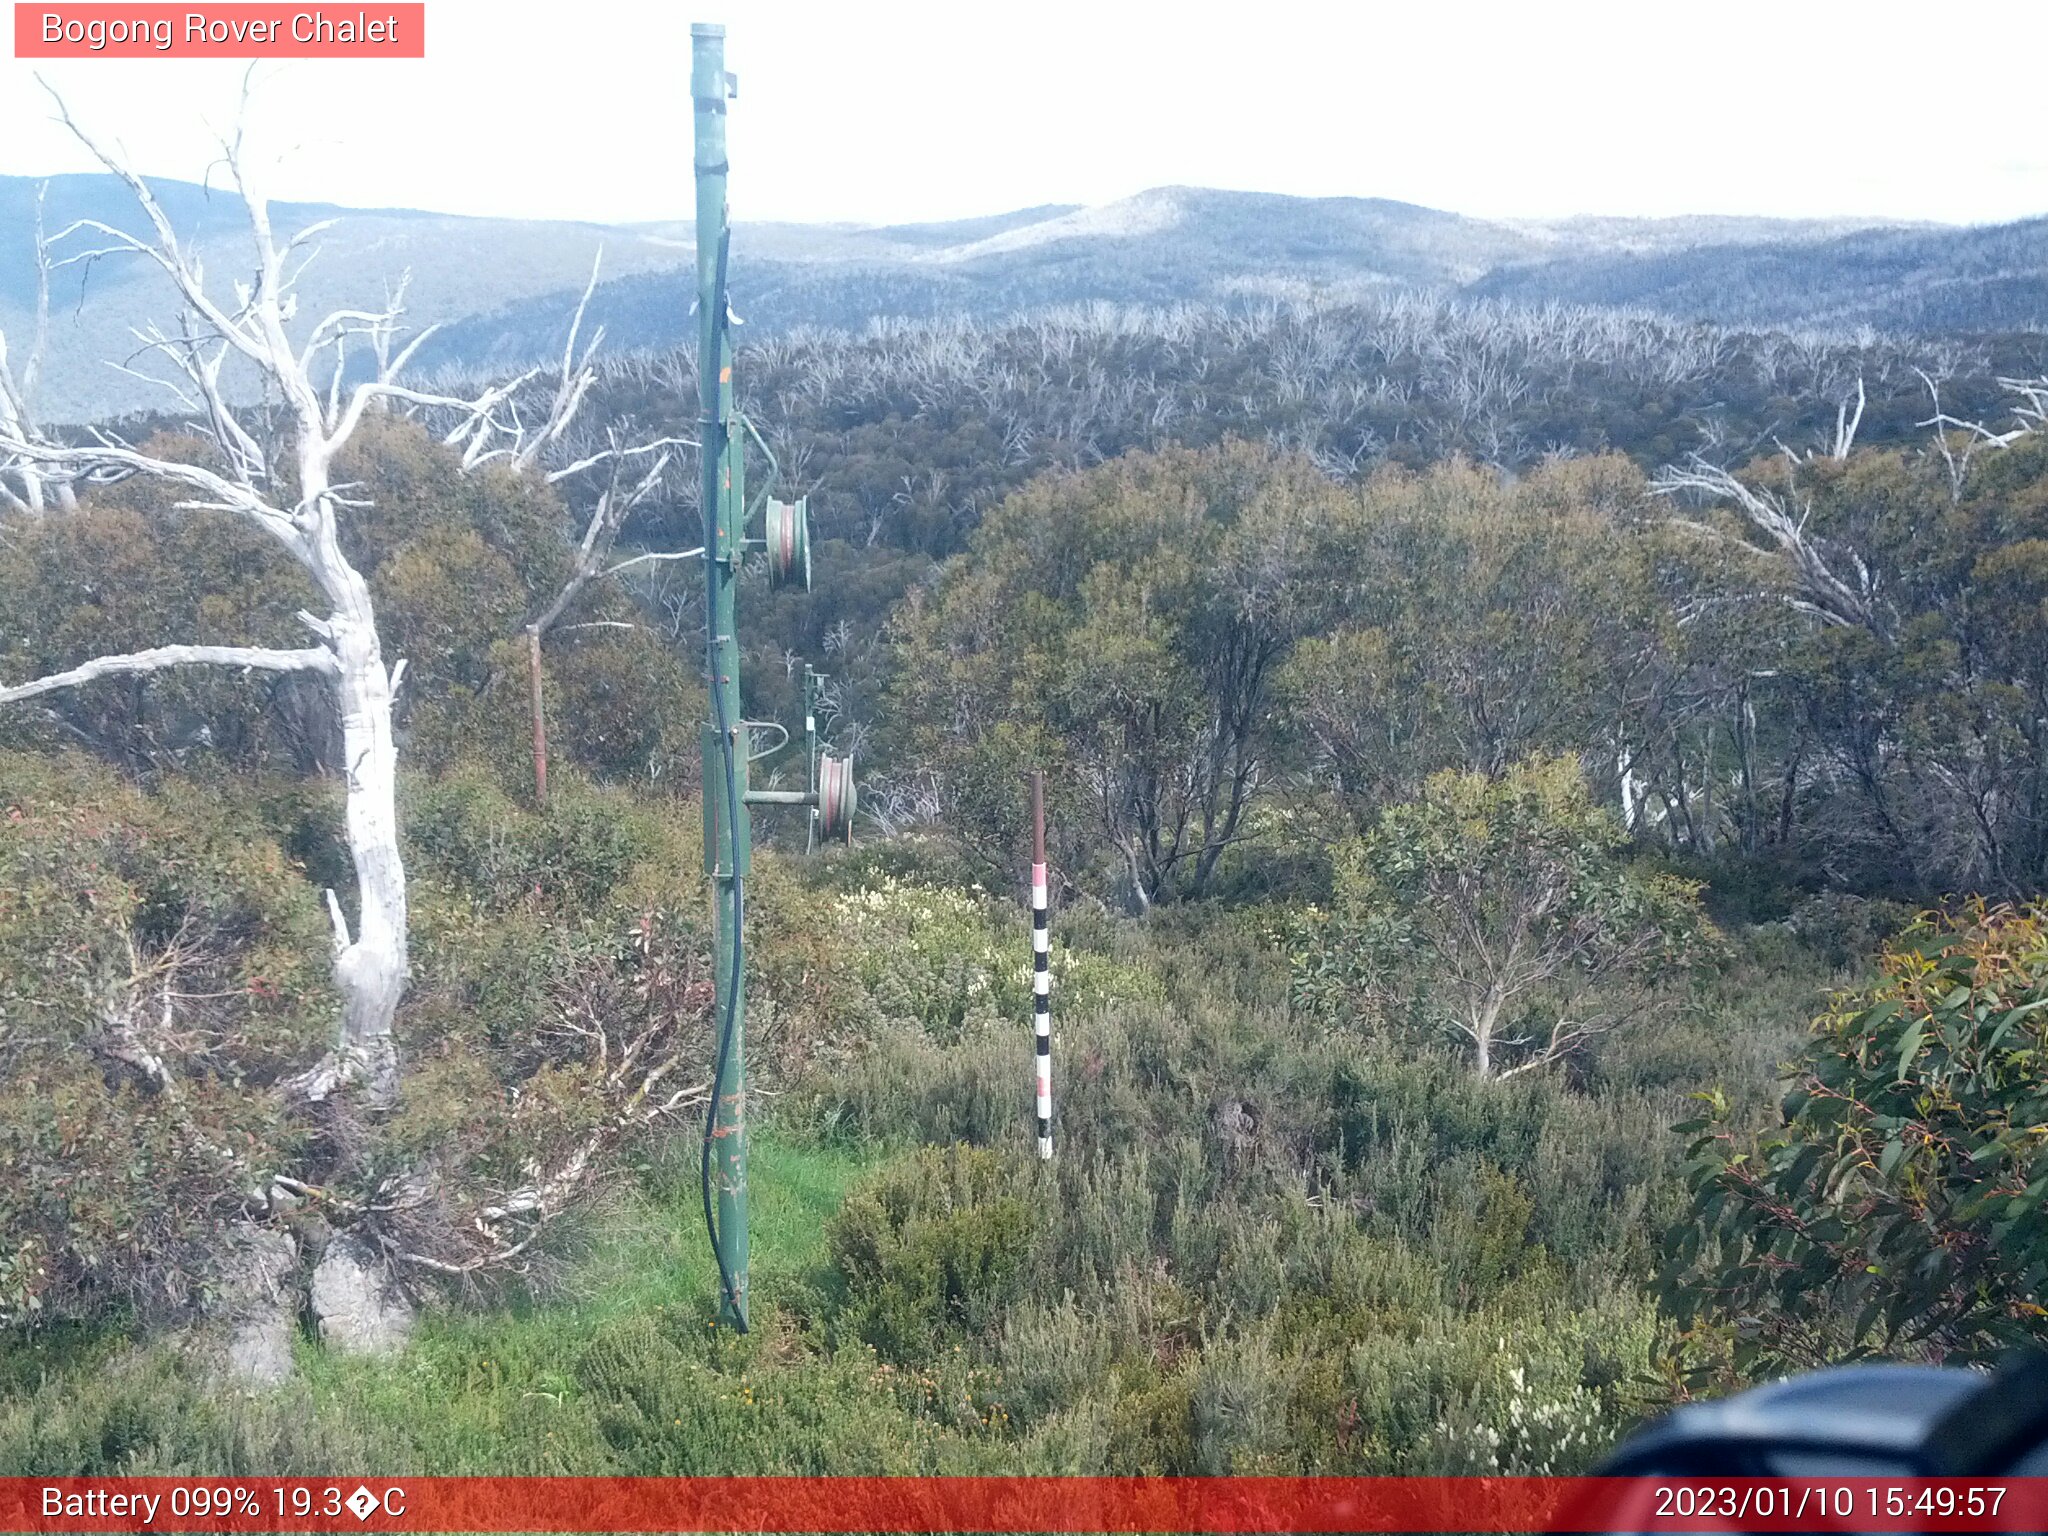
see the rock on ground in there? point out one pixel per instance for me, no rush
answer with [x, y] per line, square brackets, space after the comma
[257, 1304]
[360, 1310]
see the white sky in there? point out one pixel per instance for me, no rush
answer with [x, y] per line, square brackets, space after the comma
[876, 111]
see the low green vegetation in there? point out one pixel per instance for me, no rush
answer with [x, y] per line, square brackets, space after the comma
[567, 1385]
[1427, 844]
[1270, 1242]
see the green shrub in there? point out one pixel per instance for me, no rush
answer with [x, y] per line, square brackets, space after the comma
[165, 965]
[625, 706]
[162, 965]
[1498, 911]
[128, 571]
[467, 832]
[1898, 1211]
[1051, 1356]
[1152, 1422]
[932, 1249]
[149, 1412]
[682, 1407]
[1845, 929]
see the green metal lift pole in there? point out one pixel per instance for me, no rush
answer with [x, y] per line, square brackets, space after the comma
[726, 830]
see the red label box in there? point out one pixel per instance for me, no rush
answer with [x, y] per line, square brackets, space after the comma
[378, 30]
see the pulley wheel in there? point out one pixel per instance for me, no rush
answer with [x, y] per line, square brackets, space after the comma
[836, 797]
[789, 544]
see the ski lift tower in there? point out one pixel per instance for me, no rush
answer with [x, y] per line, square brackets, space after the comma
[785, 541]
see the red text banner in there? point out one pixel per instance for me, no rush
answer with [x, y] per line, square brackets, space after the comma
[1004, 1504]
[220, 31]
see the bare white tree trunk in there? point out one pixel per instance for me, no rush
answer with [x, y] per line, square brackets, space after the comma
[1483, 1026]
[371, 969]
[26, 491]
[1631, 788]
[1781, 520]
[301, 512]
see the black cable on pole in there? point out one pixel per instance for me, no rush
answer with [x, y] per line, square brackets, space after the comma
[730, 1012]
[717, 428]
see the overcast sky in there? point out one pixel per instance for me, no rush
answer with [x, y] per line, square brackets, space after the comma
[877, 111]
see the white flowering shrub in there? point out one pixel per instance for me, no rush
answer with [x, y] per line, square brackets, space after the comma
[1543, 1430]
[1533, 1412]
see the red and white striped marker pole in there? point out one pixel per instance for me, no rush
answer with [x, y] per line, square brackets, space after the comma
[1041, 967]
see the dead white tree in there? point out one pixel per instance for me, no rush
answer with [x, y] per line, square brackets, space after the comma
[2030, 409]
[1781, 520]
[30, 490]
[1957, 440]
[292, 495]
[495, 428]
[1846, 424]
[615, 504]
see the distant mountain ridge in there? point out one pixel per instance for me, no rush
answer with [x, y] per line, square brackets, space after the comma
[502, 288]
[1914, 278]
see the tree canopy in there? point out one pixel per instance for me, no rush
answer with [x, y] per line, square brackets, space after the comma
[1124, 626]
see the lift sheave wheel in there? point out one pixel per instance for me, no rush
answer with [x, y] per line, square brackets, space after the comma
[836, 797]
[788, 536]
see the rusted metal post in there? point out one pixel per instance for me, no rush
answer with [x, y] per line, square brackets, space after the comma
[1041, 967]
[540, 719]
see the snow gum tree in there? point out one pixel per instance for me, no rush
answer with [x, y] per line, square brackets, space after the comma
[1502, 913]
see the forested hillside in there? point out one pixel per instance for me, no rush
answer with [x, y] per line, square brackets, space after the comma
[503, 289]
[1930, 281]
[910, 436]
[1524, 781]
[1183, 245]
